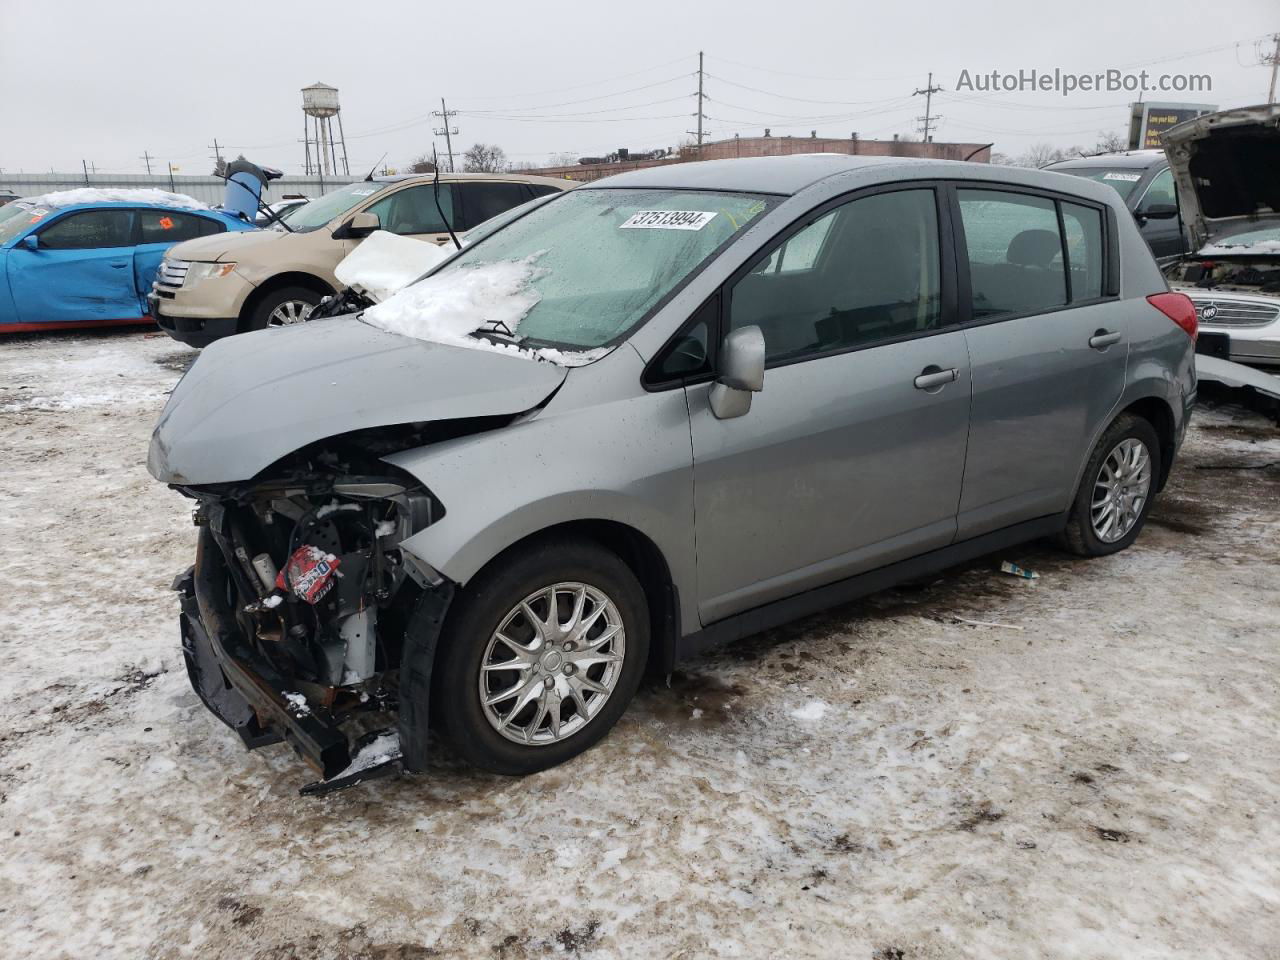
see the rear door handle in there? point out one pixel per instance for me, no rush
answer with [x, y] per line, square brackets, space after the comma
[1103, 339]
[932, 376]
[119, 264]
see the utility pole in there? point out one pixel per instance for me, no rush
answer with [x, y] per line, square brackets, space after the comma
[700, 115]
[217, 154]
[444, 113]
[172, 189]
[146, 158]
[85, 164]
[928, 119]
[1274, 60]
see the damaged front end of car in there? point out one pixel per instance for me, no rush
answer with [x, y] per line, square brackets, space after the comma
[303, 620]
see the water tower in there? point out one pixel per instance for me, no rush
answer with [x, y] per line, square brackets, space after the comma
[319, 107]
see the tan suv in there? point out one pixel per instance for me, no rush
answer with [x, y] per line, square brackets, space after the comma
[216, 286]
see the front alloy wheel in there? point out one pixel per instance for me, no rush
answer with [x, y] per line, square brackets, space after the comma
[539, 656]
[290, 312]
[552, 663]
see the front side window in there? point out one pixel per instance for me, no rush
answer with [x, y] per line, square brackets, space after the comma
[864, 273]
[1161, 193]
[169, 226]
[89, 229]
[589, 265]
[1015, 253]
[414, 211]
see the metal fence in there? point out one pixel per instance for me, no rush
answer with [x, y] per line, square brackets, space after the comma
[205, 189]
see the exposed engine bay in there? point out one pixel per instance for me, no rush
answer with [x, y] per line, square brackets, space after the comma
[299, 582]
[1236, 275]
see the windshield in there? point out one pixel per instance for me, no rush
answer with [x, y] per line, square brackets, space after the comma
[1121, 180]
[314, 215]
[588, 266]
[16, 217]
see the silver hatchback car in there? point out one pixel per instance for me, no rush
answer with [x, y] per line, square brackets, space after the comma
[650, 415]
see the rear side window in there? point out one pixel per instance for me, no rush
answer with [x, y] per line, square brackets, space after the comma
[169, 226]
[482, 201]
[413, 210]
[89, 229]
[1082, 227]
[865, 273]
[1016, 263]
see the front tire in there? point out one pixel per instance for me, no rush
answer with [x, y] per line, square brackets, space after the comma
[1117, 489]
[283, 307]
[540, 656]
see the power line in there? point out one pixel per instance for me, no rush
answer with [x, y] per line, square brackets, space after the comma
[579, 86]
[570, 103]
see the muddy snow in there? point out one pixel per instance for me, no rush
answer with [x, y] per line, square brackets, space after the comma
[907, 777]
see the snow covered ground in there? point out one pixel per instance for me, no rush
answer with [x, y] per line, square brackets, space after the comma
[1090, 770]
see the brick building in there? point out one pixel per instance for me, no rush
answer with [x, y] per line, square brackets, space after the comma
[769, 146]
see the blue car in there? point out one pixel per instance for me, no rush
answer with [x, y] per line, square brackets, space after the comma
[86, 258]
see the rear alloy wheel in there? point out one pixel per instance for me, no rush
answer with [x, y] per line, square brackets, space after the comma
[540, 656]
[284, 308]
[1117, 490]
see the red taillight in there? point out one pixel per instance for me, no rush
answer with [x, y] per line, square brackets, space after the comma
[1178, 308]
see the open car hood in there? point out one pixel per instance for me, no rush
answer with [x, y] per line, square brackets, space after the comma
[254, 398]
[1227, 169]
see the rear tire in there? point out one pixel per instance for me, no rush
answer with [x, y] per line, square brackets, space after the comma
[1117, 489]
[556, 670]
[283, 307]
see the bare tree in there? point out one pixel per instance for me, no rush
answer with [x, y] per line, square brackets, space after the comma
[1111, 142]
[423, 164]
[484, 158]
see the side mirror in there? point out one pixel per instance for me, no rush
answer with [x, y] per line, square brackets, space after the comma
[1159, 211]
[361, 225]
[741, 373]
[30, 242]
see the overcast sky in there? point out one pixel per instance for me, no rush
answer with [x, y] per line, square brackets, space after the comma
[103, 81]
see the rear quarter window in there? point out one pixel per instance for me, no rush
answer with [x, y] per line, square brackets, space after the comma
[169, 226]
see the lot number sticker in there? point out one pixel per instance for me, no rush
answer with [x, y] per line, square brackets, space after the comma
[668, 220]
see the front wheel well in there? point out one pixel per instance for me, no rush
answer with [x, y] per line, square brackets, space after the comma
[292, 279]
[644, 559]
[1159, 414]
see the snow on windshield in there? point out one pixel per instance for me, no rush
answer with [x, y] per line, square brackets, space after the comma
[491, 297]
[160, 198]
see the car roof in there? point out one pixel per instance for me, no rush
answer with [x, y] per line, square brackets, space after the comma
[781, 175]
[790, 175]
[1137, 159]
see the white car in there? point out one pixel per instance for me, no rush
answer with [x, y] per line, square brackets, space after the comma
[1227, 169]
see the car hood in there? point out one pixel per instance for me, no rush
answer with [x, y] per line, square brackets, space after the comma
[253, 398]
[1227, 169]
[226, 246]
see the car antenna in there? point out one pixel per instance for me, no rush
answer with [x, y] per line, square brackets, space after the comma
[435, 188]
[368, 177]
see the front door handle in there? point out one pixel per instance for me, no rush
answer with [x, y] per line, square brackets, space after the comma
[119, 264]
[932, 377]
[1102, 339]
